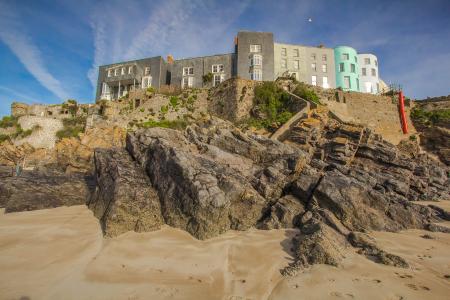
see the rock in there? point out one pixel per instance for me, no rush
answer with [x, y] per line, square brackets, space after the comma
[124, 199]
[285, 213]
[370, 249]
[437, 228]
[36, 190]
[317, 244]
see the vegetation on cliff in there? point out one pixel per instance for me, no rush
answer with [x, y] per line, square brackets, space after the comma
[72, 127]
[430, 117]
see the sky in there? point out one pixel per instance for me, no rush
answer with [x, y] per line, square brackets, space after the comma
[50, 50]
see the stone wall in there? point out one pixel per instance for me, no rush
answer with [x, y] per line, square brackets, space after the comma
[44, 131]
[233, 99]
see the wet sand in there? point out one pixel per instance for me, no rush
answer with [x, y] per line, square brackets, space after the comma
[60, 254]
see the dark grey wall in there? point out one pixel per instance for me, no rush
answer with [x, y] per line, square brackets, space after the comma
[202, 66]
[244, 40]
[157, 71]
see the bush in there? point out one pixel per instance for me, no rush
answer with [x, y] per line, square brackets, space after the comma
[8, 121]
[72, 127]
[274, 103]
[304, 92]
[4, 137]
[173, 100]
[207, 78]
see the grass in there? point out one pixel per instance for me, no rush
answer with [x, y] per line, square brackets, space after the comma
[72, 127]
[8, 121]
[431, 117]
[176, 124]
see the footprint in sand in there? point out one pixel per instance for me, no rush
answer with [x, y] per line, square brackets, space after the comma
[340, 295]
[412, 286]
[425, 288]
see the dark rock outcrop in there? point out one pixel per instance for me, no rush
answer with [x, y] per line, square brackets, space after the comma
[43, 189]
[124, 199]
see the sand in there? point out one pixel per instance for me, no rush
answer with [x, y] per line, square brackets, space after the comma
[60, 254]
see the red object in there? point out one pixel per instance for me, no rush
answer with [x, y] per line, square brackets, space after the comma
[401, 108]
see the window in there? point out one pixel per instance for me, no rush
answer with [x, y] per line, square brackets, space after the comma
[130, 69]
[356, 59]
[256, 75]
[347, 82]
[188, 71]
[122, 71]
[109, 73]
[146, 82]
[296, 64]
[368, 87]
[313, 67]
[105, 88]
[284, 63]
[147, 71]
[374, 72]
[188, 82]
[324, 57]
[357, 84]
[314, 80]
[352, 68]
[341, 67]
[313, 56]
[364, 72]
[255, 48]
[296, 54]
[217, 68]
[283, 51]
[378, 88]
[324, 68]
[376, 62]
[256, 60]
[218, 78]
[367, 61]
[325, 82]
[345, 56]
[116, 72]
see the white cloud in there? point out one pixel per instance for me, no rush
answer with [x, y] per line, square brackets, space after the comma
[18, 95]
[13, 35]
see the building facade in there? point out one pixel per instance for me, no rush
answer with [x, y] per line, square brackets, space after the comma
[256, 57]
[368, 74]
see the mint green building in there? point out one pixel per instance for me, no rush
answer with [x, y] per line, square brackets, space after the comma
[347, 68]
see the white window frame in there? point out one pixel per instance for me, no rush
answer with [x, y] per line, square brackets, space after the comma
[349, 82]
[130, 69]
[296, 65]
[345, 56]
[116, 72]
[296, 53]
[324, 68]
[188, 71]
[256, 60]
[255, 48]
[313, 56]
[313, 80]
[217, 68]
[122, 71]
[314, 66]
[367, 61]
[109, 73]
[363, 72]
[218, 79]
[256, 75]
[324, 57]
[283, 51]
[147, 71]
[187, 82]
[284, 63]
[373, 72]
[325, 83]
[146, 82]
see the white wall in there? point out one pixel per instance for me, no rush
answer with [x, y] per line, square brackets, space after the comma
[368, 83]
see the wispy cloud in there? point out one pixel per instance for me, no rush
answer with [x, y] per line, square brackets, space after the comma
[157, 28]
[20, 43]
[19, 96]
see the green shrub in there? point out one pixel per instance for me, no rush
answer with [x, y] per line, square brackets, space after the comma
[150, 90]
[164, 109]
[430, 117]
[8, 121]
[4, 137]
[304, 92]
[207, 78]
[142, 110]
[173, 100]
[412, 137]
[72, 127]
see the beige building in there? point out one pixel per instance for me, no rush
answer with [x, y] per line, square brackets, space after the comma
[312, 65]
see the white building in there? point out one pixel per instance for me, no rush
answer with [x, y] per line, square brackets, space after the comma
[368, 73]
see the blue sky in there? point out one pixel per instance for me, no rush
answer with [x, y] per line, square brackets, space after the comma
[50, 50]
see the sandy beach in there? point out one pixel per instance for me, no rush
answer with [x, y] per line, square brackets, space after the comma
[61, 254]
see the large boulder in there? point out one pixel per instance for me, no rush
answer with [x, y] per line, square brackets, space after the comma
[124, 199]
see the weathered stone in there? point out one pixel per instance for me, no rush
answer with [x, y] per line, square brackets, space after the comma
[285, 213]
[124, 199]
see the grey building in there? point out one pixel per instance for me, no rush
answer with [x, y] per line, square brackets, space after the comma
[256, 56]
